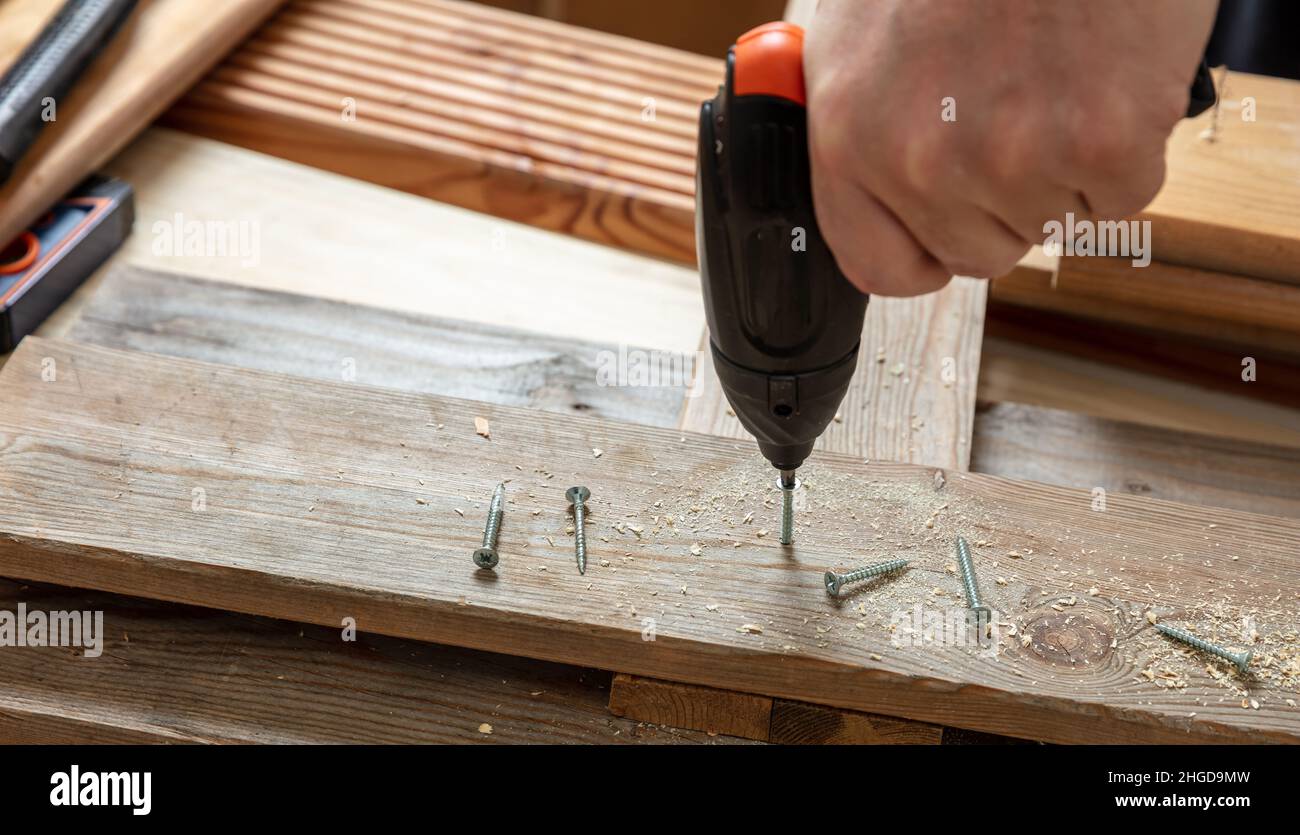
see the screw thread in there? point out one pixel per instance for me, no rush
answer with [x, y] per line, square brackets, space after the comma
[788, 483]
[580, 536]
[1240, 659]
[873, 571]
[495, 511]
[968, 575]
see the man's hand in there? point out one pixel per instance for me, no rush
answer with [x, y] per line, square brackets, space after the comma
[1060, 107]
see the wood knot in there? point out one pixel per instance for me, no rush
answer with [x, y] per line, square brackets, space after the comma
[1071, 638]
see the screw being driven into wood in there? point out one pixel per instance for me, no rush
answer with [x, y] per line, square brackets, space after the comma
[486, 557]
[1241, 659]
[835, 582]
[788, 484]
[968, 580]
[577, 497]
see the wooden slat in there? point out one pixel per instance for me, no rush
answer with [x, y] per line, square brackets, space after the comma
[691, 706]
[394, 251]
[165, 47]
[311, 514]
[1230, 205]
[760, 718]
[1256, 314]
[912, 398]
[528, 119]
[142, 310]
[1030, 443]
[180, 674]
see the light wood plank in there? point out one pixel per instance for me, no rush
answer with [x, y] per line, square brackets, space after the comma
[1230, 205]
[165, 47]
[327, 236]
[311, 492]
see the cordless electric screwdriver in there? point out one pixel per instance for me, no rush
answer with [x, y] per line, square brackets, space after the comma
[784, 322]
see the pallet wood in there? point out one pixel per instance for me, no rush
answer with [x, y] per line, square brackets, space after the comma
[760, 718]
[416, 256]
[165, 47]
[159, 313]
[902, 405]
[1229, 205]
[1029, 443]
[324, 514]
[1257, 315]
[536, 121]
[181, 674]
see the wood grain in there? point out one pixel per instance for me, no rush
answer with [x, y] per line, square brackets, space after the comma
[529, 119]
[912, 398]
[163, 49]
[1029, 443]
[142, 310]
[1230, 205]
[798, 723]
[181, 674]
[690, 706]
[311, 514]
[1258, 315]
[395, 251]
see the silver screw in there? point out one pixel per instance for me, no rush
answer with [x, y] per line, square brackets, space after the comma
[486, 557]
[1241, 659]
[577, 497]
[968, 580]
[788, 483]
[835, 582]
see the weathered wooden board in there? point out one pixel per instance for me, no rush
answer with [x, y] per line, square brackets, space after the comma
[759, 718]
[181, 674]
[143, 310]
[912, 398]
[1029, 443]
[312, 510]
[162, 50]
[392, 250]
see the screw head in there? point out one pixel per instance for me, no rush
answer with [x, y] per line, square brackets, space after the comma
[577, 495]
[833, 582]
[486, 558]
[1243, 660]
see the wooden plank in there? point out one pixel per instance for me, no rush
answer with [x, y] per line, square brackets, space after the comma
[311, 514]
[165, 47]
[912, 398]
[691, 706]
[525, 118]
[1230, 204]
[1256, 314]
[760, 718]
[415, 256]
[142, 310]
[1030, 443]
[798, 723]
[181, 674]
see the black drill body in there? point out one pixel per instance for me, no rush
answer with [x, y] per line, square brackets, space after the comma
[784, 323]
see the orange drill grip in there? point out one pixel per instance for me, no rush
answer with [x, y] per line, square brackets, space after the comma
[769, 62]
